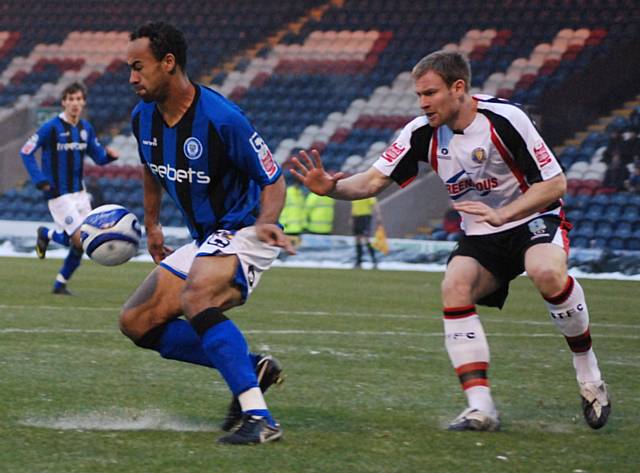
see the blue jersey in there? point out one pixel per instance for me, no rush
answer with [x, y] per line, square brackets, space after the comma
[63, 150]
[212, 163]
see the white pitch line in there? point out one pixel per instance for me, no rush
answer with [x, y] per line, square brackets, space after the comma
[329, 333]
[56, 307]
[53, 330]
[419, 334]
[550, 323]
[347, 314]
[504, 320]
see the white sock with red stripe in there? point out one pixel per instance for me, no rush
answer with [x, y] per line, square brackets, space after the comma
[569, 312]
[468, 350]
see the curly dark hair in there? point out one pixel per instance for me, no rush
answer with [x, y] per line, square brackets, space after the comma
[164, 39]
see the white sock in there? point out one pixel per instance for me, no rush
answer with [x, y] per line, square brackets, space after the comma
[252, 399]
[479, 397]
[586, 366]
[468, 350]
[569, 313]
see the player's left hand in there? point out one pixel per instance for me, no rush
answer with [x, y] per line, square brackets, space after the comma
[112, 153]
[272, 234]
[311, 173]
[487, 214]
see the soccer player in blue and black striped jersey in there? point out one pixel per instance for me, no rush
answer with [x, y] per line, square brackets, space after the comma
[199, 147]
[65, 140]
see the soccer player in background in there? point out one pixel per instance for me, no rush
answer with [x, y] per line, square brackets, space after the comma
[507, 184]
[65, 140]
[200, 148]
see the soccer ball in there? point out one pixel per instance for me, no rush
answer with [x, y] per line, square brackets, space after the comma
[110, 235]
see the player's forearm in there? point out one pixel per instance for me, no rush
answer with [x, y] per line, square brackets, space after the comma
[30, 163]
[538, 197]
[360, 186]
[152, 199]
[272, 201]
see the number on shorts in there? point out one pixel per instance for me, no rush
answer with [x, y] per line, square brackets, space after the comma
[221, 239]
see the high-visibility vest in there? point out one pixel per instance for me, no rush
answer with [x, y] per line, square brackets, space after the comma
[363, 207]
[319, 210]
[292, 215]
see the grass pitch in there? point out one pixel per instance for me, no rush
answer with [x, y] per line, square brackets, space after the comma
[369, 386]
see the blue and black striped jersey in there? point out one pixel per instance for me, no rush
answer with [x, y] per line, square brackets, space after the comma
[212, 163]
[63, 150]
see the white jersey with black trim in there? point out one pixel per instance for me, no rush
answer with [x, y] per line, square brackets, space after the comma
[494, 160]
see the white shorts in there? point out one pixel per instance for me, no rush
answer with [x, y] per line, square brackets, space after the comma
[255, 256]
[70, 210]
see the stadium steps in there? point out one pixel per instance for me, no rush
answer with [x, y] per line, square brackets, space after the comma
[601, 125]
[293, 27]
[598, 127]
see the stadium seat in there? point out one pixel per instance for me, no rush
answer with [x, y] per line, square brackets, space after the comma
[633, 243]
[616, 243]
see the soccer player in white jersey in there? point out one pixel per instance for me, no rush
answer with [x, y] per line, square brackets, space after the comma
[507, 185]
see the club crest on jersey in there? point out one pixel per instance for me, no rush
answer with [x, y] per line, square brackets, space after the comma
[538, 228]
[264, 153]
[478, 155]
[84, 135]
[192, 148]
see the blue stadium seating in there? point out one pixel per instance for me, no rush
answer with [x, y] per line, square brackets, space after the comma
[284, 104]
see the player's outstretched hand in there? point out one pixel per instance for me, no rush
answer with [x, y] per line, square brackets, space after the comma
[311, 173]
[486, 213]
[112, 153]
[156, 246]
[273, 235]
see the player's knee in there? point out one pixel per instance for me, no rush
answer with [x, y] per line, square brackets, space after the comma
[135, 323]
[547, 278]
[452, 286]
[127, 322]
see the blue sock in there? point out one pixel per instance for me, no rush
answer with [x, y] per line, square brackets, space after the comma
[263, 413]
[227, 349]
[71, 263]
[180, 342]
[176, 340]
[59, 237]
